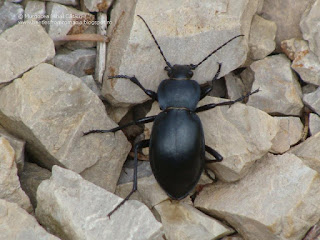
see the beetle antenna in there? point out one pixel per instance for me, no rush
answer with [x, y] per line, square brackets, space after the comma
[155, 40]
[194, 66]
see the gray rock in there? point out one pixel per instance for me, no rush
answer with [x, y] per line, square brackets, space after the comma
[61, 197]
[30, 179]
[116, 113]
[66, 21]
[184, 40]
[312, 100]
[51, 109]
[309, 152]
[182, 221]
[89, 81]
[279, 199]
[314, 123]
[290, 133]
[10, 14]
[80, 62]
[235, 86]
[309, 26]
[18, 145]
[309, 88]
[233, 237]
[292, 47]
[286, 14]
[240, 133]
[74, 45]
[35, 10]
[280, 91]
[97, 5]
[261, 38]
[21, 41]
[66, 2]
[9, 180]
[144, 170]
[17, 224]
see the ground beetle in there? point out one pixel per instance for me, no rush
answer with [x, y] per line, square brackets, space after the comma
[177, 146]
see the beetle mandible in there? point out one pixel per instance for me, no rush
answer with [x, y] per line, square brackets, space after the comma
[177, 145]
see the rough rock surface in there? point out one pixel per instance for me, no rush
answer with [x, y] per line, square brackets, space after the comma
[35, 10]
[21, 41]
[248, 137]
[10, 14]
[314, 123]
[9, 180]
[312, 100]
[61, 197]
[17, 224]
[51, 109]
[192, 31]
[235, 86]
[280, 90]
[182, 221]
[279, 199]
[97, 5]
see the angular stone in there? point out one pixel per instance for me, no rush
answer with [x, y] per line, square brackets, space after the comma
[235, 86]
[309, 88]
[233, 237]
[61, 197]
[51, 109]
[240, 133]
[74, 45]
[10, 14]
[80, 62]
[182, 221]
[66, 21]
[89, 81]
[18, 145]
[17, 224]
[279, 199]
[35, 10]
[23, 47]
[9, 181]
[280, 91]
[292, 47]
[66, 2]
[310, 28]
[117, 113]
[184, 40]
[30, 179]
[286, 14]
[309, 152]
[144, 170]
[261, 39]
[314, 123]
[312, 100]
[290, 133]
[97, 5]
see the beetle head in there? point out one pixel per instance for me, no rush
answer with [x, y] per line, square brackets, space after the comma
[179, 72]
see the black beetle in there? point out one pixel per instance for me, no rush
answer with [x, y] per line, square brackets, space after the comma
[177, 145]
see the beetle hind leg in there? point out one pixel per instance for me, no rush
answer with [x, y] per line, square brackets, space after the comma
[214, 153]
[141, 144]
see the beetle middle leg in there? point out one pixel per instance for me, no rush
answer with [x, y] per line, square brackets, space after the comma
[136, 122]
[214, 153]
[141, 144]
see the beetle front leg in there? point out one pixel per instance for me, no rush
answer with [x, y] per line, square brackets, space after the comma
[141, 144]
[205, 90]
[133, 79]
[139, 121]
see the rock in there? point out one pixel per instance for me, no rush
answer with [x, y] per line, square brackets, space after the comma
[233, 237]
[305, 62]
[279, 199]
[144, 170]
[286, 14]
[182, 221]
[312, 100]
[17, 224]
[240, 133]
[290, 133]
[35, 10]
[61, 197]
[219, 88]
[30, 179]
[21, 41]
[280, 91]
[309, 88]
[314, 124]
[261, 38]
[116, 113]
[18, 145]
[309, 27]
[80, 62]
[97, 5]
[66, 2]
[309, 152]
[51, 109]
[10, 14]
[89, 81]
[101, 48]
[235, 86]
[66, 21]
[74, 45]
[184, 40]
[9, 181]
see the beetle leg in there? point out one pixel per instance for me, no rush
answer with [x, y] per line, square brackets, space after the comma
[141, 144]
[136, 122]
[214, 153]
[133, 79]
[208, 175]
[205, 90]
[213, 105]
